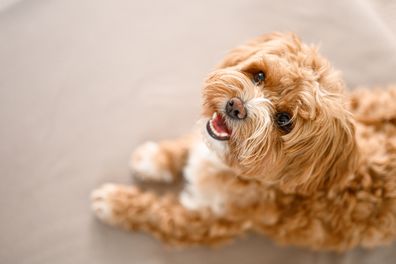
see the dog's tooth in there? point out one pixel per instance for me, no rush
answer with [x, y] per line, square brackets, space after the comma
[225, 134]
[213, 129]
[214, 115]
[217, 133]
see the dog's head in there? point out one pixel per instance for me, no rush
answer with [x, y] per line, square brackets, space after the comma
[275, 113]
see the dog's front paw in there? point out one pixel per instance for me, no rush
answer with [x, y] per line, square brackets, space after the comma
[101, 203]
[149, 162]
[123, 206]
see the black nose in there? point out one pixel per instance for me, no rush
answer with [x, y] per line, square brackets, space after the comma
[235, 108]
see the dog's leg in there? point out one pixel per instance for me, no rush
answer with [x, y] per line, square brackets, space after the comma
[161, 161]
[164, 217]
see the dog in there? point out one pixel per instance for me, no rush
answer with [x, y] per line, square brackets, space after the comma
[281, 149]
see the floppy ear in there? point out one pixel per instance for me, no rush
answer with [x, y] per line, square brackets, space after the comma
[241, 53]
[328, 165]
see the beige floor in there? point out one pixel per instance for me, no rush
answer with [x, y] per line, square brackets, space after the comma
[84, 82]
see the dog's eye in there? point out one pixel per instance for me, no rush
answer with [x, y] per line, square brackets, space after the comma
[258, 77]
[284, 122]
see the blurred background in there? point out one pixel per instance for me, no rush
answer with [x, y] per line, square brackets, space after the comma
[83, 82]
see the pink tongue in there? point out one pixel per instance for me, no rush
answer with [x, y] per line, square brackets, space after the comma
[220, 125]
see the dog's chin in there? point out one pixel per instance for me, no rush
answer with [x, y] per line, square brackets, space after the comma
[217, 128]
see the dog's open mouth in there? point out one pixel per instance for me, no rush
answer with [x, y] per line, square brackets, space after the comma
[217, 127]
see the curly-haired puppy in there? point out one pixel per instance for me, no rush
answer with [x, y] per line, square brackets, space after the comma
[280, 150]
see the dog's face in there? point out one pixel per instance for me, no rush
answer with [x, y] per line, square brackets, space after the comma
[274, 112]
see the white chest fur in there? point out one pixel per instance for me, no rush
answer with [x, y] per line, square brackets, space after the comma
[202, 189]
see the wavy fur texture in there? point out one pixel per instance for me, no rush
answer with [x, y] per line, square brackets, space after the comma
[328, 184]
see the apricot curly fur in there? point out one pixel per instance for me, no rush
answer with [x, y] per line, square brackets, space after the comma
[328, 184]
